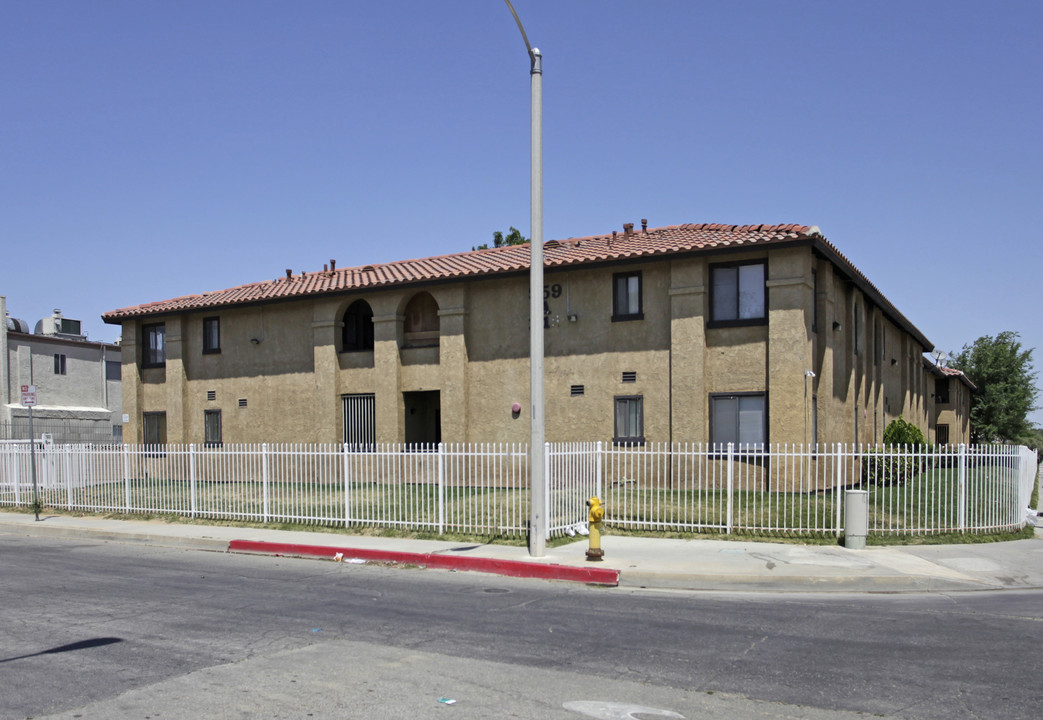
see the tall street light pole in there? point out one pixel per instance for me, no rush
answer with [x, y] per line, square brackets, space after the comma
[537, 433]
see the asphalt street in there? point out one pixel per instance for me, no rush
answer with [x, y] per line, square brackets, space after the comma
[94, 629]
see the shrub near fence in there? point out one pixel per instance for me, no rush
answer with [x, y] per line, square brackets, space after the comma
[483, 489]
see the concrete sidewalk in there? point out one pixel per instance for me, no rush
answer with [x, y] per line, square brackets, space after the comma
[696, 564]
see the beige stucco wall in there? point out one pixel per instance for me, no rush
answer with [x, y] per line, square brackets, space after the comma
[292, 378]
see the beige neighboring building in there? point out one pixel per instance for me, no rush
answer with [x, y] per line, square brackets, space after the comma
[689, 333]
[950, 404]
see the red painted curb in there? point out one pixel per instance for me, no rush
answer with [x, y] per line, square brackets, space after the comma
[512, 568]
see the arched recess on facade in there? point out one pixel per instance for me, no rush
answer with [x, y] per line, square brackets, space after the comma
[356, 333]
[420, 324]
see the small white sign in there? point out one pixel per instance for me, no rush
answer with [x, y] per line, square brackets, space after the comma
[29, 395]
[126, 418]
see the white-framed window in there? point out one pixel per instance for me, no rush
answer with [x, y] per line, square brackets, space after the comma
[739, 418]
[738, 293]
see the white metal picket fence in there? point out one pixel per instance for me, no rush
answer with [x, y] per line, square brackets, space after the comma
[482, 489]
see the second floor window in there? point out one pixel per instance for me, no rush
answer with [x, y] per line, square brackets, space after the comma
[941, 391]
[153, 347]
[738, 294]
[357, 332]
[421, 325]
[211, 335]
[59, 364]
[626, 296]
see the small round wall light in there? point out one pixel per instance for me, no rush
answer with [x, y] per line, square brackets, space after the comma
[516, 408]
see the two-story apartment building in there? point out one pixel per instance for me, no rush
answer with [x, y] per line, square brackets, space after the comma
[950, 393]
[689, 333]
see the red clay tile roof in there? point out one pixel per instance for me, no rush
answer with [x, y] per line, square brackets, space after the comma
[650, 243]
[493, 261]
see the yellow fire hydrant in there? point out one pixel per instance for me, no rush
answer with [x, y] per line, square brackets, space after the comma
[594, 518]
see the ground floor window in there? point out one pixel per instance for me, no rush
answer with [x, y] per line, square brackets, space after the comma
[154, 428]
[629, 419]
[941, 434]
[359, 420]
[212, 427]
[739, 418]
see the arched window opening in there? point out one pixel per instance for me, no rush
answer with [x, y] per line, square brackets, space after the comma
[420, 328]
[357, 333]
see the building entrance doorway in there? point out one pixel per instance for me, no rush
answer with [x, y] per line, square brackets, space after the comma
[423, 417]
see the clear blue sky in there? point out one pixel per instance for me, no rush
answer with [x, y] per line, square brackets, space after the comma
[151, 150]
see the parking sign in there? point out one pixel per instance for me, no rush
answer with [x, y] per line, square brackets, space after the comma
[29, 395]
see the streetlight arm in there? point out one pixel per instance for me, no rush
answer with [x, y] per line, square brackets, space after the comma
[532, 53]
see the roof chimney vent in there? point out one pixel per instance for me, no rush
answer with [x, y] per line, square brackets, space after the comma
[628, 229]
[333, 264]
[289, 273]
[644, 224]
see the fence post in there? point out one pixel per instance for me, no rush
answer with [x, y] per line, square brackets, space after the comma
[731, 487]
[347, 487]
[441, 488]
[546, 490]
[599, 471]
[837, 494]
[192, 480]
[962, 511]
[16, 475]
[264, 482]
[68, 476]
[126, 478]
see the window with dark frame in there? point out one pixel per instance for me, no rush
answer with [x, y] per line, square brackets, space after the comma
[629, 419]
[738, 294]
[211, 335]
[626, 296]
[739, 418]
[113, 370]
[941, 434]
[154, 428]
[59, 364]
[357, 332]
[212, 427]
[153, 346]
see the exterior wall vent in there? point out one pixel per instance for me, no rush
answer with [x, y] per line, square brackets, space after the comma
[629, 376]
[577, 390]
[242, 402]
[211, 394]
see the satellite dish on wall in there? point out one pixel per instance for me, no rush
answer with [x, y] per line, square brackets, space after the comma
[940, 356]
